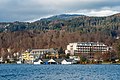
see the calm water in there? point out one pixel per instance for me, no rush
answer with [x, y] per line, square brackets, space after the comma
[59, 72]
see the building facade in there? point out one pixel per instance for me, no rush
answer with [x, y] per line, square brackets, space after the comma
[27, 57]
[43, 53]
[31, 55]
[87, 49]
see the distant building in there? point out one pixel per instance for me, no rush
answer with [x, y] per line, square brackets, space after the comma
[27, 57]
[43, 53]
[53, 61]
[33, 54]
[1, 60]
[87, 49]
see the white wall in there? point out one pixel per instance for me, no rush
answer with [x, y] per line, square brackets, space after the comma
[70, 48]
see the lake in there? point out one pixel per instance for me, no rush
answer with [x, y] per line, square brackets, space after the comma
[59, 72]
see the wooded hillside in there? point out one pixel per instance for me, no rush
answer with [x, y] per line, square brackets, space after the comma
[58, 31]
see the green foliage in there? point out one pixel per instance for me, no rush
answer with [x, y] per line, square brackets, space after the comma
[83, 59]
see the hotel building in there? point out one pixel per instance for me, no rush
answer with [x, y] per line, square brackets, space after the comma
[87, 49]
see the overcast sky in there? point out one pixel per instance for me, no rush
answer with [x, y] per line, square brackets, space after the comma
[29, 10]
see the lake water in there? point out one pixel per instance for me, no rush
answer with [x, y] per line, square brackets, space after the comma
[59, 72]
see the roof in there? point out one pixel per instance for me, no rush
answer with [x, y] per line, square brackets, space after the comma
[51, 50]
[69, 60]
[89, 44]
[51, 60]
[40, 60]
[45, 60]
[59, 60]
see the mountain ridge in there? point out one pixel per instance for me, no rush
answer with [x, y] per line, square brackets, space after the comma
[74, 15]
[63, 22]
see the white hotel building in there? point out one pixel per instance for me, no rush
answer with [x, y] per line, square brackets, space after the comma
[87, 49]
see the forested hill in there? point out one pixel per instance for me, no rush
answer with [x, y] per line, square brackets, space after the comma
[69, 23]
[58, 31]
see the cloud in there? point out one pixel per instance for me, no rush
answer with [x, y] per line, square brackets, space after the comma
[101, 13]
[105, 11]
[25, 10]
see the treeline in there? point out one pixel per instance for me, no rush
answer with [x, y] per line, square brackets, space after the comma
[22, 40]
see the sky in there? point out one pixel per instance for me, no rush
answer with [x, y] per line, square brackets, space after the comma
[31, 10]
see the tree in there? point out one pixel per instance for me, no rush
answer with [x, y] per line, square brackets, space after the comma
[61, 51]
